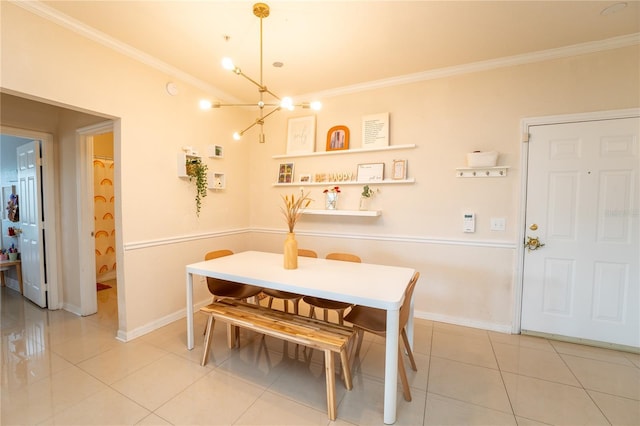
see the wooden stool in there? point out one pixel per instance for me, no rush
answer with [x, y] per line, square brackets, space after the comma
[5, 265]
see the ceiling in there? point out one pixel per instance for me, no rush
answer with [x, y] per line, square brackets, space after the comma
[325, 45]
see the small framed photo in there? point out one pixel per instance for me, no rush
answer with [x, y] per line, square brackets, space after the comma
[399, 169]
[370, 172]
[306, 178]
[301, 135]
[285, 173]
[338, 138]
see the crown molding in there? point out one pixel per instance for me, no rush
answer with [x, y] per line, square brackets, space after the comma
[63, 20]
[53, 15]
[508, 61]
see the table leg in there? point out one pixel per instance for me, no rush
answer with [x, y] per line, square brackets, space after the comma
[391, 366]
[190, 339]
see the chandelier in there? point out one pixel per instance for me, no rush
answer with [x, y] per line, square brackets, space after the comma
[261, 10]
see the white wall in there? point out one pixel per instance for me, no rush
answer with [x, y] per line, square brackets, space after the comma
[466, 278]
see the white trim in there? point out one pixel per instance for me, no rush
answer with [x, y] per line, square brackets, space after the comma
[86, 241]
[396, 238]
[526, 124]
[84, 30]
[509, 61]
[50, 208]
[465, 322]
[126, 336]
[372, 237]
[91, 33]
[184, 239]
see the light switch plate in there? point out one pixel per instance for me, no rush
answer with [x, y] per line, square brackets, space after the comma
[498, 223]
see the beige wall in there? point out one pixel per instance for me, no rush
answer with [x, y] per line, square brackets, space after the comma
[466, 278]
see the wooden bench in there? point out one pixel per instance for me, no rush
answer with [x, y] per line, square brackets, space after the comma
[309, 332]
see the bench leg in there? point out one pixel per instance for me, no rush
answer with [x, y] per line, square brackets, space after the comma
[207, 339]
[331, 384]
[233, 335]
[344, 359]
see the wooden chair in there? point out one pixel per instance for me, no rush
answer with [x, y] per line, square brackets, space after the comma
[375, 321]
[326, 304]
[223, 289]
[285, 295]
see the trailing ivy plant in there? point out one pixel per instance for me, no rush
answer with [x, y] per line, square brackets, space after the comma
[198, 170]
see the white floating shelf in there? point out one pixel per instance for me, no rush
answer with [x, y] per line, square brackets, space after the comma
[347, 151]
[481, 172]
[337, 212]
[351, 182]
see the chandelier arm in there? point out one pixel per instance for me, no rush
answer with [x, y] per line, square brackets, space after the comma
[271, 112]
[238, 105]
[242, 132]
[260, 86]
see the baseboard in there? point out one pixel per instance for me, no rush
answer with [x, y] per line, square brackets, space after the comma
[126, 336]
[580, 341]
[465, 322]
[72, 308]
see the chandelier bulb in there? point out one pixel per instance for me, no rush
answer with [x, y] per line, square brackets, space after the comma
[316, 105]
[227, 64]
[237, 136]
[205, 104]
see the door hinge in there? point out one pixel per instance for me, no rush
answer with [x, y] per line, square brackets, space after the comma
[525, 137]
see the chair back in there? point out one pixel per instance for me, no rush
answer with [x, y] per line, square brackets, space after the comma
[406, 304]
[216, 285]
[345, 257]
[217, 253]
[307, 253]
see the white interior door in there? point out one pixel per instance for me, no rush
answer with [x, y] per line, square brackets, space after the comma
[31, 222]
[582, 204]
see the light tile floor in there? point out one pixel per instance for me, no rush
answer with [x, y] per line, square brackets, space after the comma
[61, 369]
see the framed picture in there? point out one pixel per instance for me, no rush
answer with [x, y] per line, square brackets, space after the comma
[301, 135]
[338, 138]
[375, 130]
[285, 173]
[370, 172]
[306, 178]
[399, 169]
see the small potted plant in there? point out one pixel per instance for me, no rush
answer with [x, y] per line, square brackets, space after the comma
[198, 170]
[365, 196]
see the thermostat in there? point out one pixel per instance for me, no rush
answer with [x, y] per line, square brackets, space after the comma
[469, 222]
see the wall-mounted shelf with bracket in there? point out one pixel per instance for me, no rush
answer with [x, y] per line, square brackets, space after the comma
[364, 213]
[182, 163]
[347, 151]
[481, 172]
[382, 182]
[216, 180]
[215, 151]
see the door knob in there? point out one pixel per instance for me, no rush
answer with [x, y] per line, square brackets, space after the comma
[533, 243]
[533, 227]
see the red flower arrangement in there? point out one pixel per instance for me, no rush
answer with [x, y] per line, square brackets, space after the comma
[334, 189]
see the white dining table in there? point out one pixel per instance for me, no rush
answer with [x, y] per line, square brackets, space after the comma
[365, 284]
